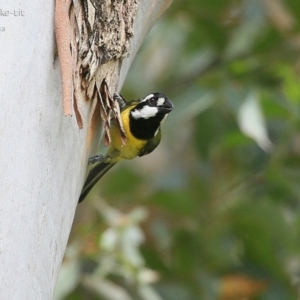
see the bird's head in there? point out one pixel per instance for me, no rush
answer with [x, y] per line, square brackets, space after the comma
[153, 105]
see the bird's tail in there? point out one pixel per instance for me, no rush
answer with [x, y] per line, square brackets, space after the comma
[95, 174]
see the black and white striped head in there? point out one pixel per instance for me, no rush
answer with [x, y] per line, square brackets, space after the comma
[147, 116]
[152, 106]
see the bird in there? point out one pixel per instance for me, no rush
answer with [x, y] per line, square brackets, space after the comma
[142, 121]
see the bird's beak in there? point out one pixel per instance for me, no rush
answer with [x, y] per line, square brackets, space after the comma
[166, 107]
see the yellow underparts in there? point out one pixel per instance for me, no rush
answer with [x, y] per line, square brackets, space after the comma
[117, 151]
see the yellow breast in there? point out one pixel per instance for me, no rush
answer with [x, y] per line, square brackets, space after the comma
[133, 145]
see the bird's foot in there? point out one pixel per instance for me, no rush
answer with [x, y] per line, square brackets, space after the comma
[117, 97]
[95, 159]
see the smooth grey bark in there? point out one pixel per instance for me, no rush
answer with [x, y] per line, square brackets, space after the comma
[42, 153]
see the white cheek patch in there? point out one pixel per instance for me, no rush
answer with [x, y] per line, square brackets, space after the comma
[160, 101]
[146, 112]
[148, 97]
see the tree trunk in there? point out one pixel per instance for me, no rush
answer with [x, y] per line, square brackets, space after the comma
[43, 155]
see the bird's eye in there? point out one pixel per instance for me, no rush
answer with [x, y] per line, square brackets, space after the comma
[152, 100]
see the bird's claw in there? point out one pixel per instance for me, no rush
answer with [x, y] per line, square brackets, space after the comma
[95, 159]
[117, 97]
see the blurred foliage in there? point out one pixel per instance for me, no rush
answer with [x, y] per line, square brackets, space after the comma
[214, 212]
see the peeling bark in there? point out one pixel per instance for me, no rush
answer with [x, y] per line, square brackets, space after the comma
[64, 40]
[100, 32]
